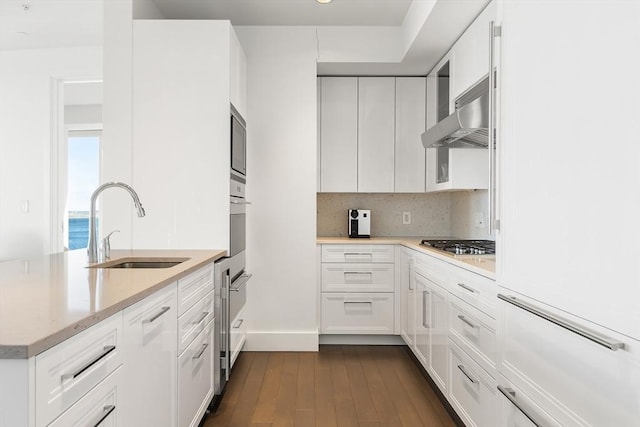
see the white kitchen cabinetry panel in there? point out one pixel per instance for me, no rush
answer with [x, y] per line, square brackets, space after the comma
[472, 52]
[473, 392]
[360, 277]
[194, 287]
[238, 75]
[376, 134]
[358, 253]
[339, 134]
[193, 322]
[409, 125]
[150, 351]
[238, 335]
[195, 379]
[474, 332]
[69, 370]
[422, 336]
[557, 178]
[357, 313]
[99, 407]
[407, 297]
[459, 169]
[578, 381]
[472, 288]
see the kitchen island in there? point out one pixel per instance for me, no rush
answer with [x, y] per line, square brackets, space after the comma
[46, 300]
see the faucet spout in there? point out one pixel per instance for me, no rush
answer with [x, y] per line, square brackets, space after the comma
[92, 249]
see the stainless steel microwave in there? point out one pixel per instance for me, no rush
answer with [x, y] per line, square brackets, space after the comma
[238, 144]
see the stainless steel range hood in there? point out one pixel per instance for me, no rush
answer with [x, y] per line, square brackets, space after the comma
[468, 126]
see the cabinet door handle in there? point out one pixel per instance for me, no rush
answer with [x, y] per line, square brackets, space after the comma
[467, 288]
[105, 351]
[238, 324]
[412, 267]
[594, 336]
[464, 319]
[201, 318]
[201, 352]
[510, 394]
[424, 309]
[466, 374]
[106, 411]
[162, 311]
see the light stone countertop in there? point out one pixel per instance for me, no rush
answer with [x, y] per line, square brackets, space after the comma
[485, 265]
[47, 300]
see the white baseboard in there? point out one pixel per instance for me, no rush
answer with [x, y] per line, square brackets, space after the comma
[362, 339]
[281, 341]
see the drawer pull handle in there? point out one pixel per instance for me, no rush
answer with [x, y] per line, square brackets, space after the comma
[358, 302]
[596, 337]
[358, 272]
[424, 309]
[358, 254]
[201, 352]
[162, 311]
[238, 324]
[510, 394]
[201, 318]
[240, 282]
[105, 351]
[105, 413]
[467, 288]
[466, 374]
[464, 319]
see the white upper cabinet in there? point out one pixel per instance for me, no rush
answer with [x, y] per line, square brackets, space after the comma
[410, 124]
[339, 134]
[238, 75]
[570, 187]
[472, 52]
[376, 148]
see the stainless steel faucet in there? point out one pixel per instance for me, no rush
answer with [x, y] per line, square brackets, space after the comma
[92, 249]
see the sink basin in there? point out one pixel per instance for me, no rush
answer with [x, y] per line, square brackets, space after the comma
[143, 262]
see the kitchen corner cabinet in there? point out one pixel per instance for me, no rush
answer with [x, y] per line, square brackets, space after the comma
[338, 134]
[369, 139]
[457, 169]
[376, 139]
[150, 338]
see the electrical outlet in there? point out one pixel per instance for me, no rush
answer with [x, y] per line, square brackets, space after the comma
[406, 218]
[478, 219]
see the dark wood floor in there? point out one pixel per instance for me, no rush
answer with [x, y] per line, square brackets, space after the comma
[362, 386]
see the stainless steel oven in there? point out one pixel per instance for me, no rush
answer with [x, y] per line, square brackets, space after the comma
[238, 144]
[237, 218]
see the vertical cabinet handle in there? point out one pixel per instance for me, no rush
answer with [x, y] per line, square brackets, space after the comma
[106, 411]
[494, 223]
[424, 309]
[162, 311]
[412, 267]
[105, 351]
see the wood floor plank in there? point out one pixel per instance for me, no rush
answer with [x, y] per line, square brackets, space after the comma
[346, 415]
[286, 403]
[305, 393]
[365, 407]
[266, 404]
[305, 418]
[325, 410]
[249, 395]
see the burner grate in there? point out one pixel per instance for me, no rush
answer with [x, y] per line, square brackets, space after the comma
[463, 247]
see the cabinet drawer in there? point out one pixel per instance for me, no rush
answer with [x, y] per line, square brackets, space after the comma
[357, 313]
[474, 331]
[358, 253]
[576, 380]
[193, 287]
[69, 370]
[195, 378]
[191, 323]
[474, 289]
[472, 392]
[101, 406]
[357, 277]
[237, 336]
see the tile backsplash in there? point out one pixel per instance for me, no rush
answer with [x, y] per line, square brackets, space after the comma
[447, 214]
[430, 213]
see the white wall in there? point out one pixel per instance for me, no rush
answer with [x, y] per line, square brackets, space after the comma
[26, 85]
[281, 184]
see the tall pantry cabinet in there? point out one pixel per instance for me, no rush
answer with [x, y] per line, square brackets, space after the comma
[567, 269]
[186, 73]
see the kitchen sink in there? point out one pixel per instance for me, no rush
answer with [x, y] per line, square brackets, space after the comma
[142, 262]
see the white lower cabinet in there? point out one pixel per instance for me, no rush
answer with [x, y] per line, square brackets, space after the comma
[421, 304]
[407, 297]
[357, 313]
[515, 409]
[99, 407]
[195, 378]
[66, 372]
[472, 391]
[150, 347]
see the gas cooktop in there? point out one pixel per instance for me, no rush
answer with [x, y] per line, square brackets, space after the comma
[463, 247]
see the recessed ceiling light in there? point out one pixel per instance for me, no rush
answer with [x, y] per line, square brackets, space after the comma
[324, 1]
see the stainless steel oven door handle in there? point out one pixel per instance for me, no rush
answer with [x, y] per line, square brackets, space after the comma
[240, 202]
[240, 282]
